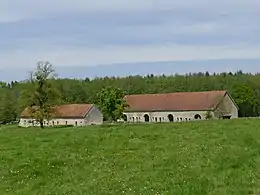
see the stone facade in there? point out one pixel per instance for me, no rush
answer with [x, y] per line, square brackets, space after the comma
[93, 117]
[166, 116]
[226, 107]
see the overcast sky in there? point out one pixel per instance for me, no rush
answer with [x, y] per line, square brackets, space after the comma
[90, 33]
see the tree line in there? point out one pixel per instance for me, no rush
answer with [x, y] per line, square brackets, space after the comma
[107, 92]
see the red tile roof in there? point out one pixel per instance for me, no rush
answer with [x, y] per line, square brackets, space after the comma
[181, 101]
[65, 111]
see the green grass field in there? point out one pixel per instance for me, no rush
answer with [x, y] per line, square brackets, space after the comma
[208, 157]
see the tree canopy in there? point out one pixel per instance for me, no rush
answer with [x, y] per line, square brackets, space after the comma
[41, 96]
[243, 87]
[112, 103]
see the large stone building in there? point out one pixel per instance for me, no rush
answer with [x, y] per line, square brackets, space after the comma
[182, 106]
[70, 114]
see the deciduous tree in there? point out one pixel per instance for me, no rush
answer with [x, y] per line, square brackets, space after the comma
[8, 112]
[42, 96]
[112, 103]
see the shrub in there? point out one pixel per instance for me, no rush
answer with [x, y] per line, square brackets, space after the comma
[208, 115]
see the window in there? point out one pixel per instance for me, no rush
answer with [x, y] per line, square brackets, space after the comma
[76, 123]
[160, 119]
[177, 119]
[136, 118]
[155, 119]
[66, 122]
[181, 119]
[53, 123]
[58, 123]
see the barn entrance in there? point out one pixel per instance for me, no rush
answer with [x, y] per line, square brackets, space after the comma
[197, 116]
[170, 117]
[146, 118]
[125, 117]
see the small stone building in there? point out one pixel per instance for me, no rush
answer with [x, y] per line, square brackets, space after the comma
[181, 106]
[70, 114]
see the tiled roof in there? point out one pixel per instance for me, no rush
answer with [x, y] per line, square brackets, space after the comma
[65, 111]
[181, 101]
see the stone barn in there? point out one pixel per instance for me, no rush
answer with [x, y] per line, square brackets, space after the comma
[181, 106]
[70, 114]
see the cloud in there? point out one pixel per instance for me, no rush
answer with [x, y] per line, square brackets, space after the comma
[27, 9]
[81, 56]
[70, 33]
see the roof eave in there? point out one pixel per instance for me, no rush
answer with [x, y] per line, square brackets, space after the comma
[196, 110]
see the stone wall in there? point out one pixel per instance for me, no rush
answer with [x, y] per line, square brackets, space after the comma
[165, 116]
[226, 107]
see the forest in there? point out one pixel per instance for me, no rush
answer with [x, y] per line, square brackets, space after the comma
[243, 87]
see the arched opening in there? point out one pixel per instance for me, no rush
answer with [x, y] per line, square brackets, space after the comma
[197, 116]
[125, 117]
[227, 116]
[170, 117]
[146, 118]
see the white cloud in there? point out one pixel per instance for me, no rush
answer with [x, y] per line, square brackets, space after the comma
[24, 9]
[109, 55]
[36, 41]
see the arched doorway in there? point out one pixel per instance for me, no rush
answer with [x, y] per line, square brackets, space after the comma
[146, 118]
[125, 117]
[197, 116]
[170, 117]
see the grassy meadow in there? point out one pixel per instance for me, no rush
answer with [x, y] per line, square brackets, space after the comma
[207, 157]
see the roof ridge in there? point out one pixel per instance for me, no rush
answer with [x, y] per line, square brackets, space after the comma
[65, 110]
[176, 92]
[200, 100]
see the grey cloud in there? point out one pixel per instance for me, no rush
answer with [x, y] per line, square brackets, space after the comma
[36, 9]
[185, 26]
